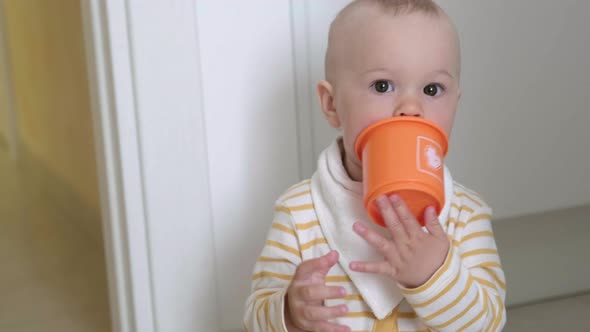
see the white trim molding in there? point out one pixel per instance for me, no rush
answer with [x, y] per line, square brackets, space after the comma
[116, 136]
[304, 98]
[145, 79]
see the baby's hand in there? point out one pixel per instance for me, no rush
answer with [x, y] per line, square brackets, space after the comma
[305, 308]
[412, 255]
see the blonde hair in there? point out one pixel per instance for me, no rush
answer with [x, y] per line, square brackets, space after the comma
[403, 6]
[392, 7]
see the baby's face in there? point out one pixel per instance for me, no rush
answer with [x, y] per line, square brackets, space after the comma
[396, 66]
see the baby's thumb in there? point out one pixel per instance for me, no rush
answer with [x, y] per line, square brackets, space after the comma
[432, 224]
[317, 266]
[327, 262]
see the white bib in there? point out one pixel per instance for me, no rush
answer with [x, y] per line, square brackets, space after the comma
[338, 203]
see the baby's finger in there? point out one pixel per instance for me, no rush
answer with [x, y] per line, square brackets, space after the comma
[405, 215]
[325, 326]
[320, 264]
[319, 313]
[386, 247]
[321, 292]
[383, 267]
[394, 225]
[432, 224]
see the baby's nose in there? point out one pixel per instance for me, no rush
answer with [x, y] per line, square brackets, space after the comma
[409, 109]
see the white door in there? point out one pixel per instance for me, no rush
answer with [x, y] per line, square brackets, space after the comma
[206, 111]
[145, 69]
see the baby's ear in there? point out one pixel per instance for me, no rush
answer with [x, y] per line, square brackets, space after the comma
[326, 95]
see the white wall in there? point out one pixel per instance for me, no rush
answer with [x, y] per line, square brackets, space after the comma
[519, 138]
[250, 112]
[520, 135]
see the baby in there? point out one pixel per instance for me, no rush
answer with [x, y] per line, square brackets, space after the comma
[325, 266]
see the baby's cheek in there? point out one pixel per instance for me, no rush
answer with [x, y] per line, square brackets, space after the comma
[362, 120]
[352, 134]
[443, 119]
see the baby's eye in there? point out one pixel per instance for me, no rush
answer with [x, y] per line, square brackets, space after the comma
[433, 89]
[382, 86]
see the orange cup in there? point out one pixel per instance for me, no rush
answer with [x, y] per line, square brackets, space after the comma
[403, 155]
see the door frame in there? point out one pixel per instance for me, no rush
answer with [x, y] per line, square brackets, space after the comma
[153, 169]
[122, 203]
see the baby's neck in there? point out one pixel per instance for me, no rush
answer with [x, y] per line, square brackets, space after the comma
[353, 170]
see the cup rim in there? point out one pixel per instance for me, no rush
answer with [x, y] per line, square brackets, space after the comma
[362, 138]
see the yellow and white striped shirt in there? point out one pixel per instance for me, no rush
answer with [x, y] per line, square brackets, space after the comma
[466, 294]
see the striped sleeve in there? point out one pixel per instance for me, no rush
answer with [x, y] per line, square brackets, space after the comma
[272, 275]
[467, 292]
